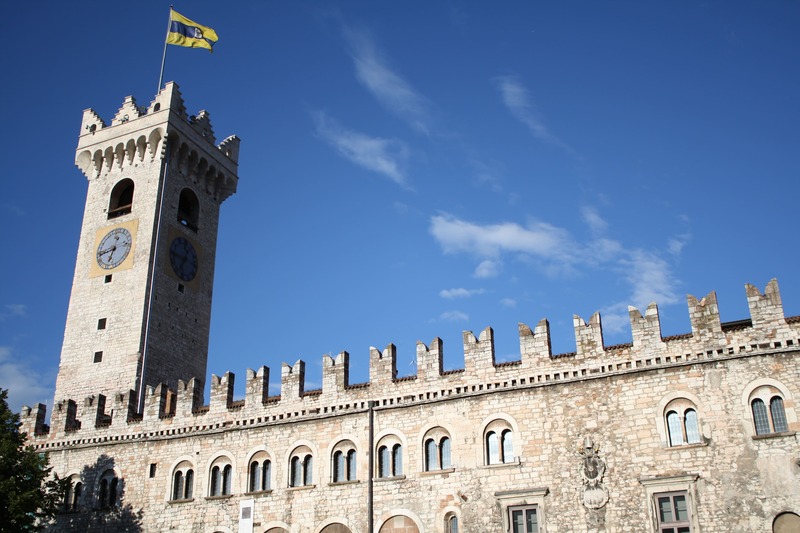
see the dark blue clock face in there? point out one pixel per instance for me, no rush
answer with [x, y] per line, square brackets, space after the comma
[183, 258]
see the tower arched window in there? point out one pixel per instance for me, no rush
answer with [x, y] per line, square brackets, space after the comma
[188, 209]
[121, 201]
[498, 440]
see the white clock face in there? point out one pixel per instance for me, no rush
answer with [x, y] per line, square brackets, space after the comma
[114, 248]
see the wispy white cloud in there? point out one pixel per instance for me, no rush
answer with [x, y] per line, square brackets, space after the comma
[675, 245]
[454, 316]
[13, 310]
[538, 238]
[488, 269]
[451, 294]
[393, 92]
[552, 250]
[516, 98]
[596, 223]
[508, 302]
[384, 156]
[25, 384]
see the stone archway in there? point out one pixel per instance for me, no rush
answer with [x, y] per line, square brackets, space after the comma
[335, 528]
[399, 524]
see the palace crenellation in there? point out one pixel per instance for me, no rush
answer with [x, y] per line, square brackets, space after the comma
[167, 409]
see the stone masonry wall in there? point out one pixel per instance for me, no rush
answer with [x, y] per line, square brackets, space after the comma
[616, 397]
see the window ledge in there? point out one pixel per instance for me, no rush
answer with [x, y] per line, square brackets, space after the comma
[266, 492]
[679, 447]
[220, 497]
[441, 472]
[515, 462]
[348, 482]
[390, 478]
[187, 500]
[301, 487]
[775, 435]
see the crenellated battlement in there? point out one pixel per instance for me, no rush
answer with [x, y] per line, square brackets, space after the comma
[169, 412]
[140, 133]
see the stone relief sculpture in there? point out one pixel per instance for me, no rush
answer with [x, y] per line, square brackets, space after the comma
[593, 468]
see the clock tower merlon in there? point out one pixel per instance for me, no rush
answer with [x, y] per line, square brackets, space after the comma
[140, 307]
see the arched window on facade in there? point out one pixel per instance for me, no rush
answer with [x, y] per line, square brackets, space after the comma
[437, 450]
[769, 414]
[260, 473]
[301, 467]
[72, 497]
[344, 462]
[498, 439]
[390, 457]
[682, 423]
[189, 209]
[182, 482]
[121, 200]
[451, 524]
[108, 490]
[220, 477]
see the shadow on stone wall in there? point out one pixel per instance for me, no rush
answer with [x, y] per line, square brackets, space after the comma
[100, 506]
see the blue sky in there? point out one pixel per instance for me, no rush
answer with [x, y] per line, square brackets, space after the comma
[414, 169]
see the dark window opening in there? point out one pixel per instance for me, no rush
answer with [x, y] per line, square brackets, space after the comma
[101, 324]
[107, 278]
[152, 469]
[180, 287]
[98, 357]
[121, 199]
[188, 209]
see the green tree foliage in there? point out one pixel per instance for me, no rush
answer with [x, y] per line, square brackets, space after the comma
[29, 497]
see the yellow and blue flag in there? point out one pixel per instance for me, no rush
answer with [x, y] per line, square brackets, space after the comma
[184, 32]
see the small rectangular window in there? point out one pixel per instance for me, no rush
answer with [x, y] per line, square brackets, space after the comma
[180, 287]
[524, 519]
[673, 512]
[153, 469]
[101, 323]
[107, 278]
[98, 357]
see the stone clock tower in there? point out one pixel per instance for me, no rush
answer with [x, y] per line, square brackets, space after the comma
[140, 307]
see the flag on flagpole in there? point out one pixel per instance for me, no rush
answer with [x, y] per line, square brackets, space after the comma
[184, 32]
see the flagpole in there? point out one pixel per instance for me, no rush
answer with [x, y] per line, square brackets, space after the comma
[164, 57]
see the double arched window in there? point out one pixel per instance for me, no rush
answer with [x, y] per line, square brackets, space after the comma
[437, 450]
[770, 419]
[498, 440]
[182, 482]
[682, 424]
[72, 497]
[344, 462]
[221, 477]
[260, 473]
[390, 457]
[301, 467]
[108, 490]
